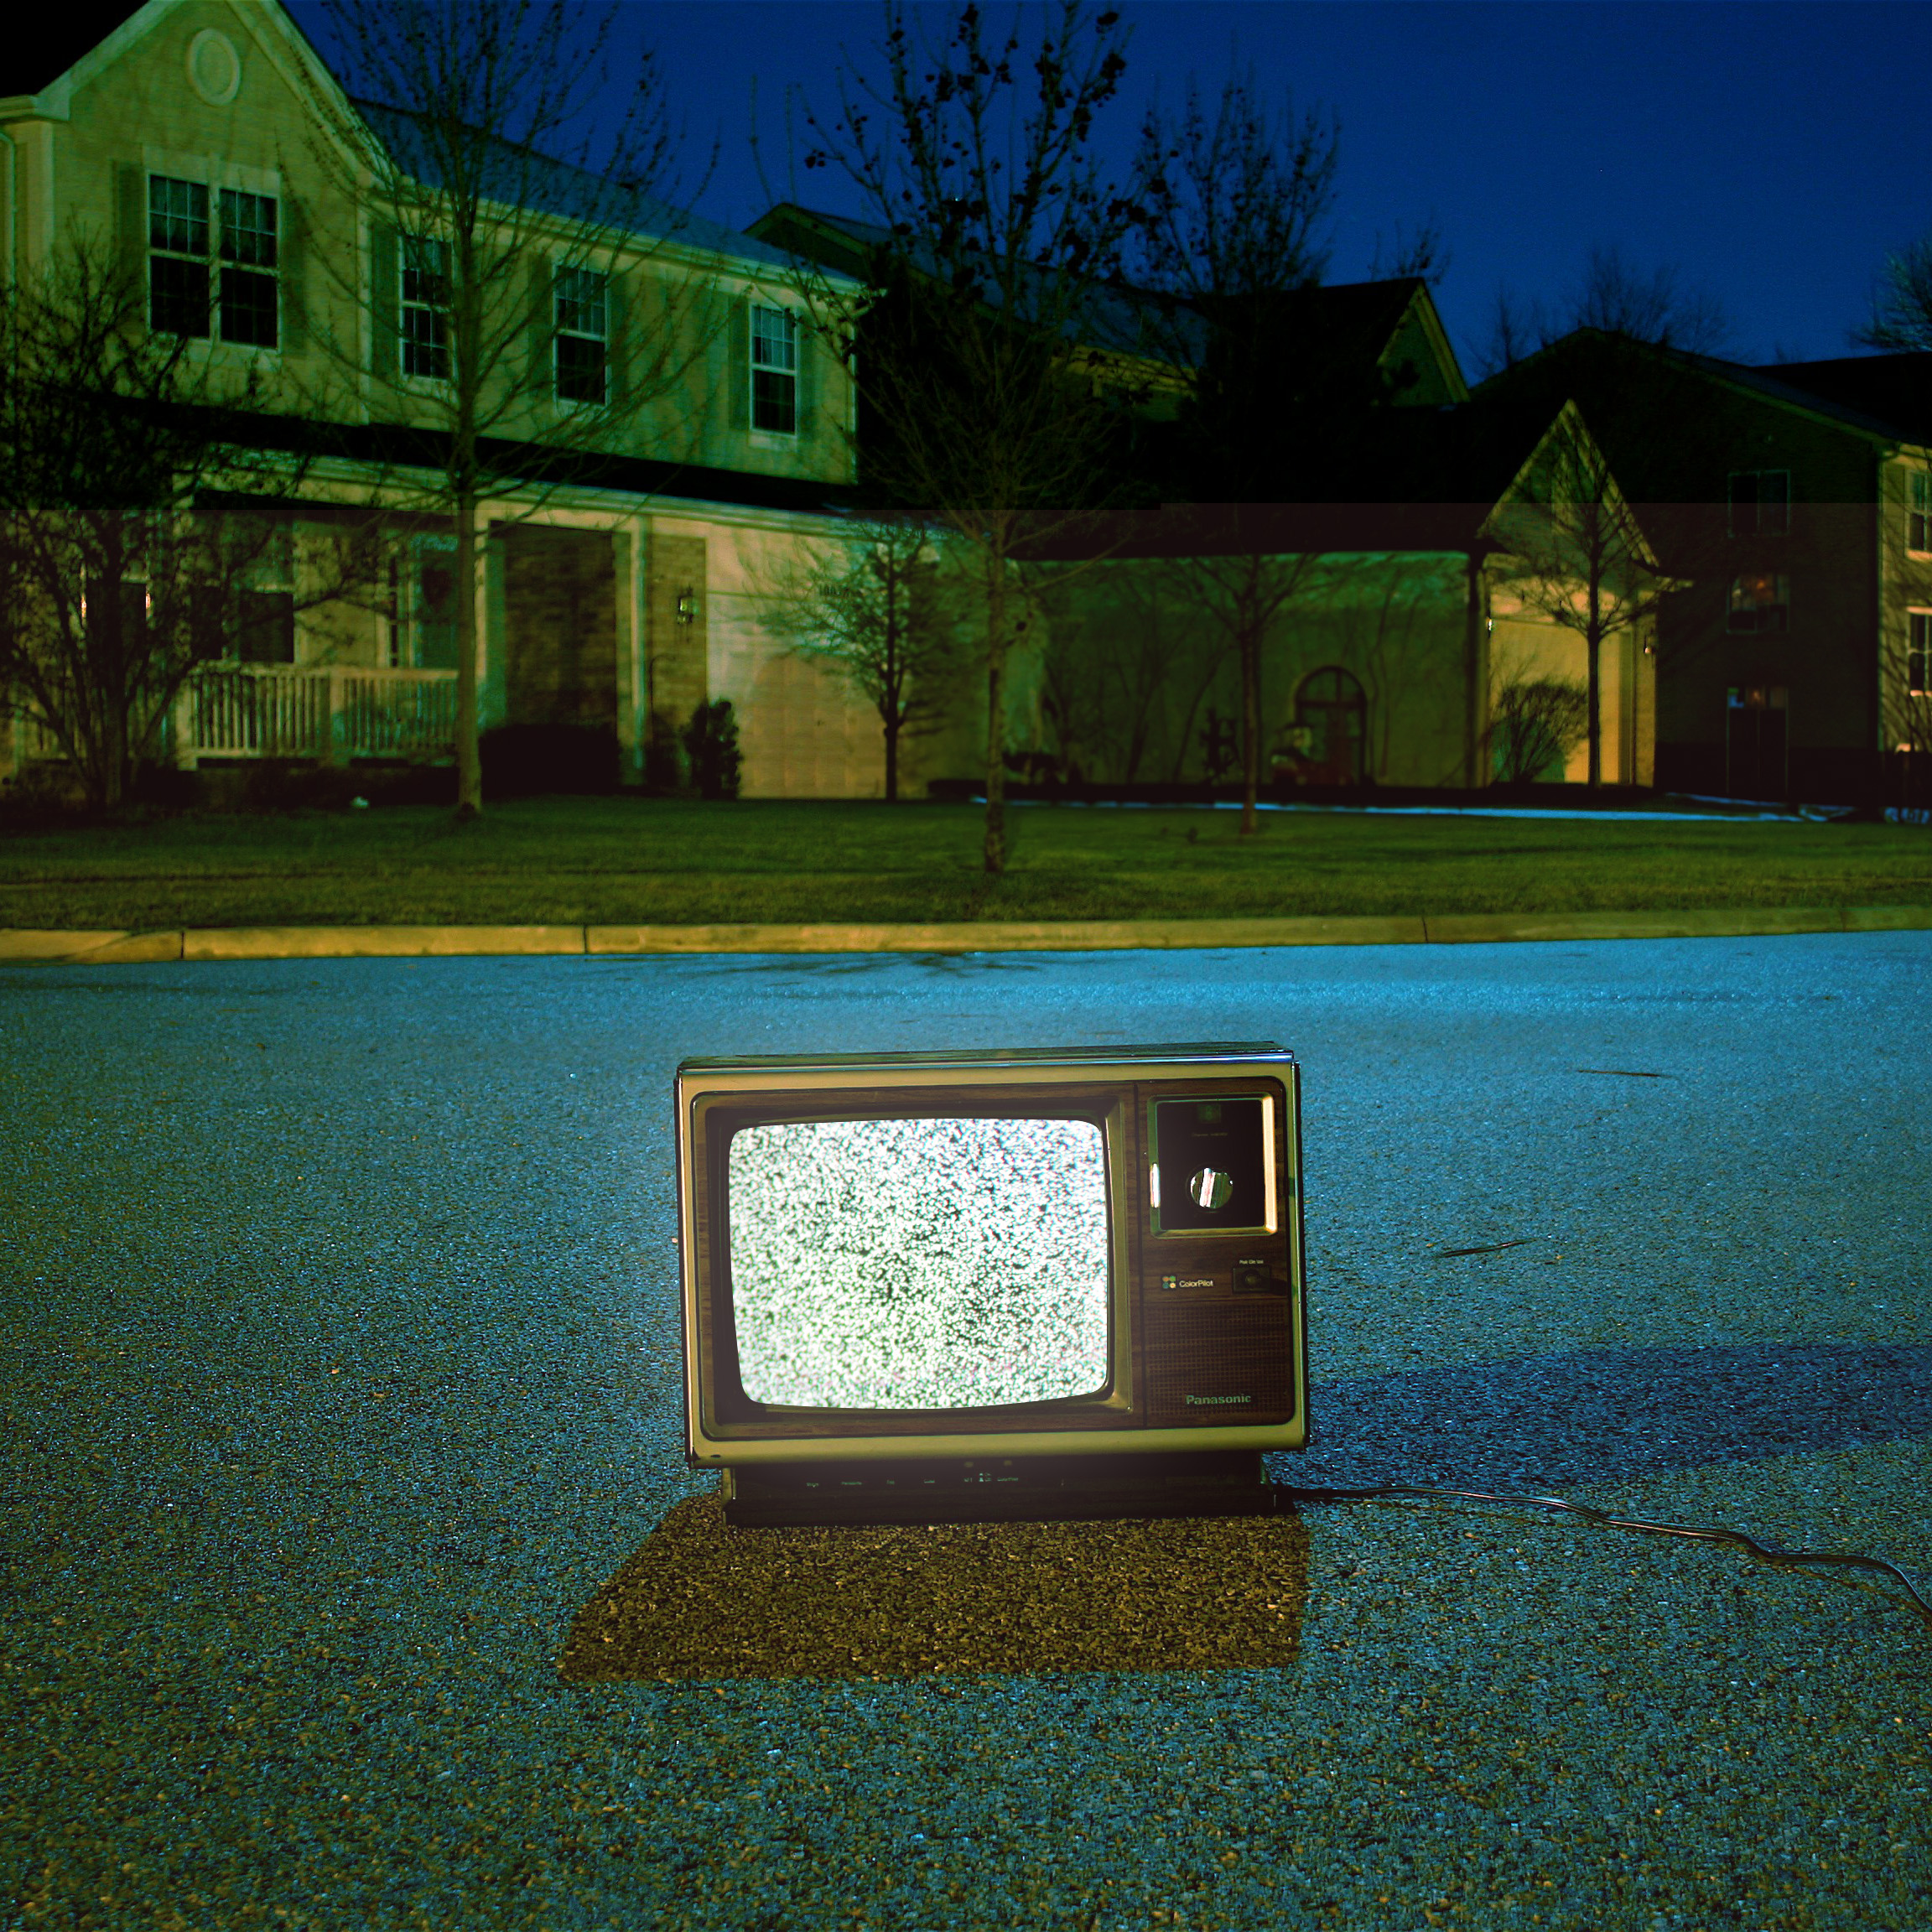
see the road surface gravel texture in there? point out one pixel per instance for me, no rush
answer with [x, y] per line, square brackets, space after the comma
[341, 1383]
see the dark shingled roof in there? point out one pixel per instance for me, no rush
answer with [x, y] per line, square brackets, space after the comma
[1894, 389]
[40, 46]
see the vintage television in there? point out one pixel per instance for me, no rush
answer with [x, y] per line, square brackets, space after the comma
[927, 1287]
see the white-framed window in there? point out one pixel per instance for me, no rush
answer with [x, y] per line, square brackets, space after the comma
[583, 336]
[423, 311]
[1760, 602]
[423, 605]
[214, 264]
[264, 621]
[774, 371]
[1919, 654]
[1918, 518]
[1760, 502]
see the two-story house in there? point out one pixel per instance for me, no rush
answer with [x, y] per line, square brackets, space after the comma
[200, 144]
[1794, 502]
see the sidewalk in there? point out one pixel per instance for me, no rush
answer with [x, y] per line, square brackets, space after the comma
[117, 949]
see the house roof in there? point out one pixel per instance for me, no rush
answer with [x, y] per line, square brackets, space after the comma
[1882, 405]
[39, 48]
[1418, 481]
[1894, 390]
[1357, 321]
[553, 187]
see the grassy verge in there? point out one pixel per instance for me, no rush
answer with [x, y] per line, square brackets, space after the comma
[621, 861]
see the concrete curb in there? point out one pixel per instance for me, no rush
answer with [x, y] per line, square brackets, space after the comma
[22, 947]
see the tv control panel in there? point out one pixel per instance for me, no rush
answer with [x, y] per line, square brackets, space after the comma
[1219, 1239]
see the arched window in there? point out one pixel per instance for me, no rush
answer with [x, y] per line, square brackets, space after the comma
[1330, 728]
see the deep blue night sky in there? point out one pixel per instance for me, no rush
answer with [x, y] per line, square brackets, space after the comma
[1771, 150]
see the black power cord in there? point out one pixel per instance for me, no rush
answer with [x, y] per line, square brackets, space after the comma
[1287, 1494]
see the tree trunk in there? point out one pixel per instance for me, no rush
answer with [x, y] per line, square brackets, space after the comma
[1593, 641]
[468, 758]
[891, 761]
[1251, 722]
[995, 841]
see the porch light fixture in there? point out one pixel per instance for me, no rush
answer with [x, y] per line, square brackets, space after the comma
[687, 606]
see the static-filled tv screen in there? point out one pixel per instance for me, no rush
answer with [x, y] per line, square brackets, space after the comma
[919, 1264]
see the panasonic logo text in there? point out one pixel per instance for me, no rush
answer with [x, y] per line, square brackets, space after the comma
[1215, 1401]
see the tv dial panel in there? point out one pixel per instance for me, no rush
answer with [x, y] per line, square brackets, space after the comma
[1217, 1258]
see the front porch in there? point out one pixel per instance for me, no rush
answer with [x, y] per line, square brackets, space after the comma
[333, 713]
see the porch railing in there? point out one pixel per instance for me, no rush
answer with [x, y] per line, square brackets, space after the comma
[332, 712]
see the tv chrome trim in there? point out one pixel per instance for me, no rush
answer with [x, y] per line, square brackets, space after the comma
[698, 1079]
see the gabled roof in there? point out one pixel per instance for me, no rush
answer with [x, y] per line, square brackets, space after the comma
[1399, 479]
[38, 47]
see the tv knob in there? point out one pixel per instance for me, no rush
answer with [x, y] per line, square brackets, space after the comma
[1253, 1278]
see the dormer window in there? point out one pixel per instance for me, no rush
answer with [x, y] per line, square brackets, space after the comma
[774, 371]
[218, 276]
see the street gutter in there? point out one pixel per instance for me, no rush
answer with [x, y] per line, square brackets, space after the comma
[23, 947]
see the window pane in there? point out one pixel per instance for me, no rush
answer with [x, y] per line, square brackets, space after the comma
[266, 631]
[773, 402]
[178, 296]
[177, 216]
[1744, 494]
[424, 352]
[580, 303]
[425, 271]
[580, 369]
[773, 338]
[248, 229]
[248, 308]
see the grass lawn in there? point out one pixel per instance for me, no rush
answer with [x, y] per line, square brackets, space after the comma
[671, 861]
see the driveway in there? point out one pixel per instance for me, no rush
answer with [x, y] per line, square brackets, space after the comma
[341, 1377]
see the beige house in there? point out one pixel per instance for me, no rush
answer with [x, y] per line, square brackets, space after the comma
[204, 144]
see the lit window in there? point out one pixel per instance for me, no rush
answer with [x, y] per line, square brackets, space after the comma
[208, 276]
[1760, 601]
[582, 334]
[423, 318]
[1919, 536]
[1760, 502]
[774, 371]
[1918, 656]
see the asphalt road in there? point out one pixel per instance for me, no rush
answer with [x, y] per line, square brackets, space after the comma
[340, 1375]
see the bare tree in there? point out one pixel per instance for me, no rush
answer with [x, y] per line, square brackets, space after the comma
[1421, 253]
[494, 301]
[989, 389]
[1232, 204]
[1573, 554]
[1535, 722]
[1901, 316]
[1615, 298]
[1127, 667]
[876, 612]
[137, 525]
